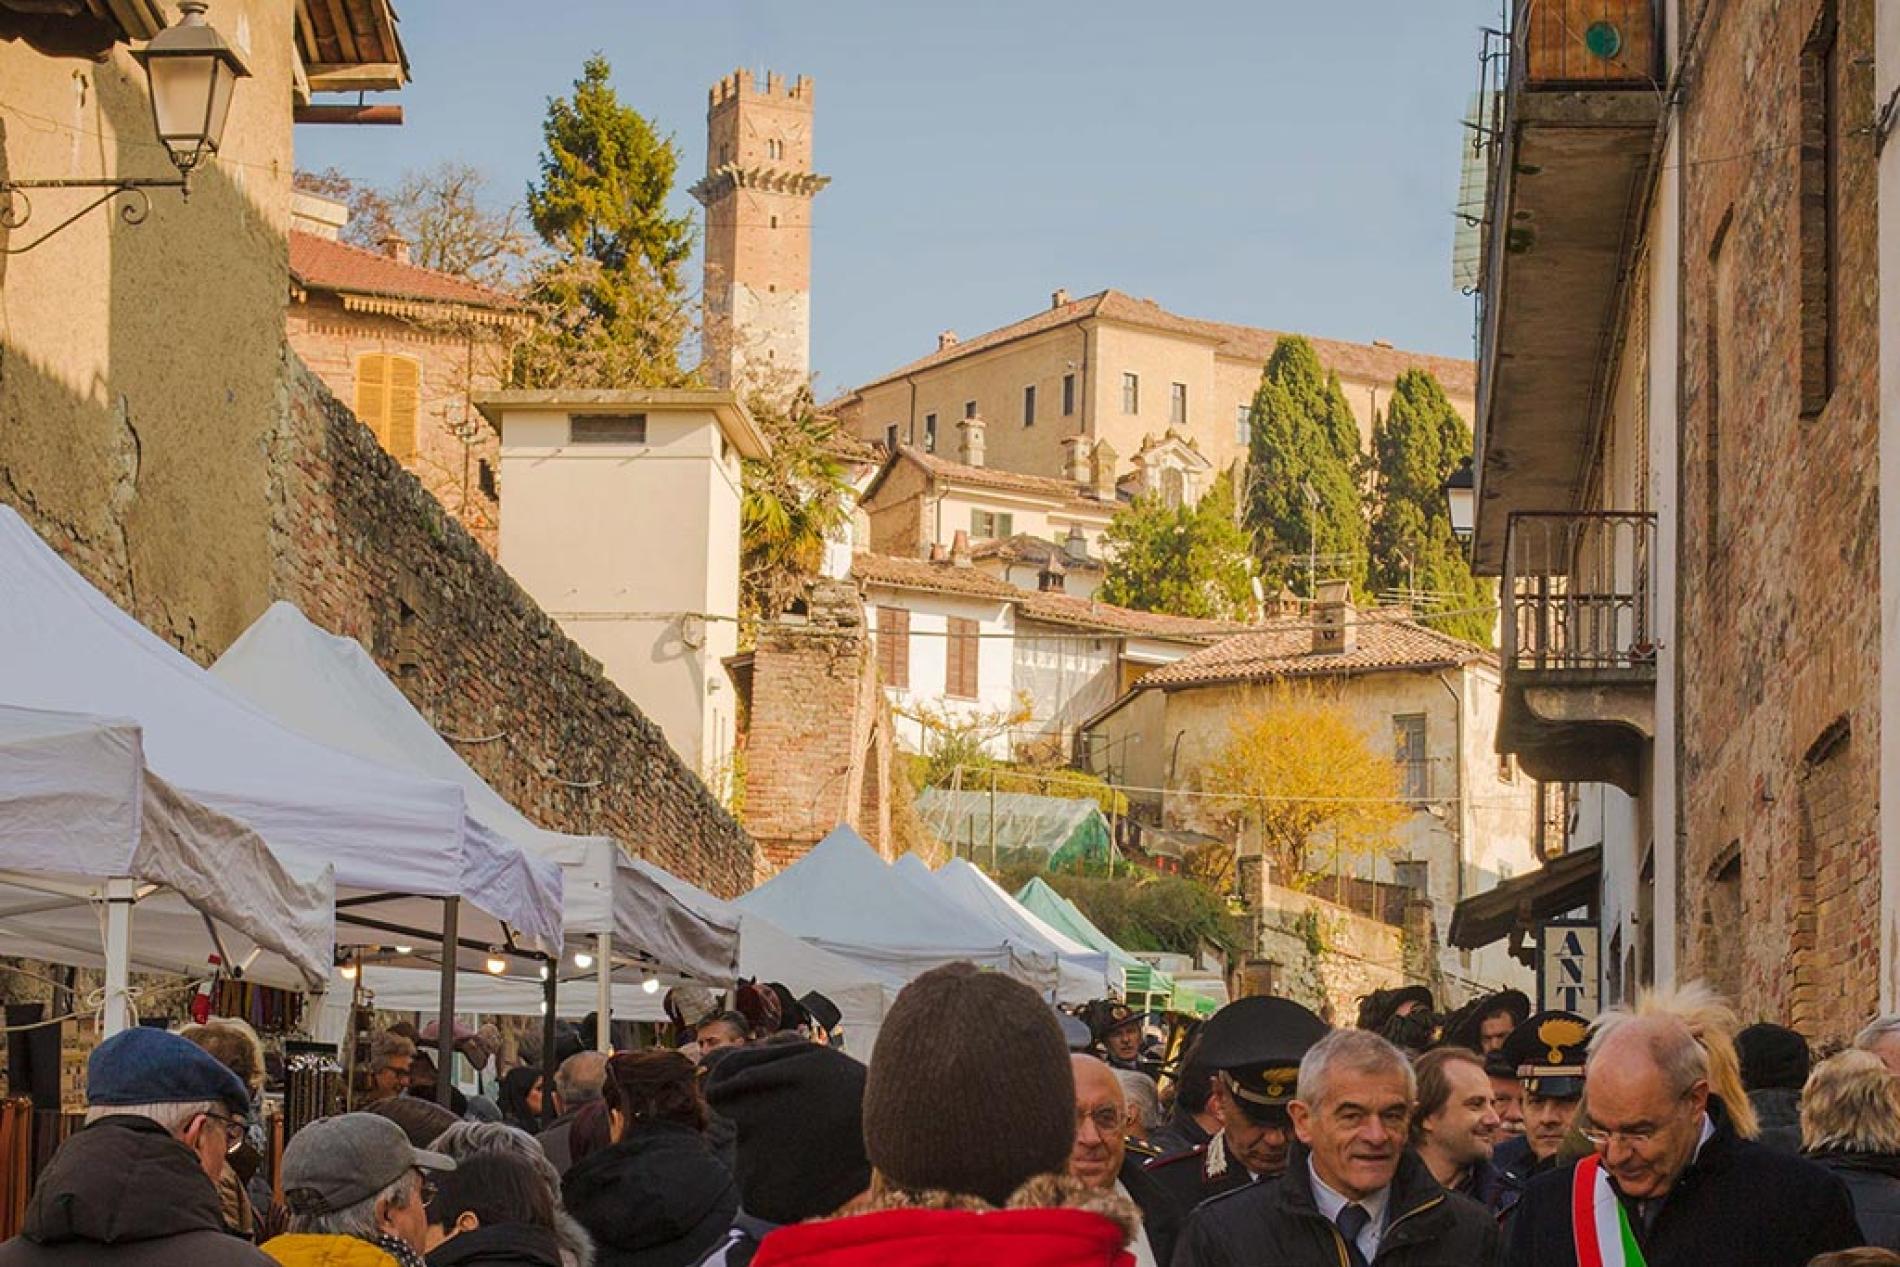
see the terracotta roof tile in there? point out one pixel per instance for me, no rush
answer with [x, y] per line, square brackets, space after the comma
[1284, 649]
[317, 263]
[1023, 548]
[922, 574]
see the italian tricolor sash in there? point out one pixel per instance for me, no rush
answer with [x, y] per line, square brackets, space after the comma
[1598, 1221]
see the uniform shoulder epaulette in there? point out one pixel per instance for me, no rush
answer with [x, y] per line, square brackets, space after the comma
[1141, 1148]
[1169, 1159]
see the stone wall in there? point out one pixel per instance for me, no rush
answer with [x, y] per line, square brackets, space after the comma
[818, 745]
[365, 551]
[1779, 893]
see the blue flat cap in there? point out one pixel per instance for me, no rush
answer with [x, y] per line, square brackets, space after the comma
[149, 1066]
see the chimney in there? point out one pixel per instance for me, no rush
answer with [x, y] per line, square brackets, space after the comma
[395, 246]
[1335, 627]
[970, 441]
[1102, 471]
[948, 339]
[1075, 459]
[1058, 297]
[1049, 579]
[936, 552]
[960, 550]
[1076, 546]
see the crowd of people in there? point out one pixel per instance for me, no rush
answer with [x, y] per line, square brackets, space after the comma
[989, 1128]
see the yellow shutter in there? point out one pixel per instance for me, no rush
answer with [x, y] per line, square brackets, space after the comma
[405, 402]
[372, 394]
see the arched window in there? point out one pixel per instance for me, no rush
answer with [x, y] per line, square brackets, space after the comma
[389, 399]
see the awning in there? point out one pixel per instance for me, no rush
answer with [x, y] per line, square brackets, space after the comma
[1562, 885]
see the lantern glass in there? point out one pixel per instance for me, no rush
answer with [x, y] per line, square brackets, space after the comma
[191, 97]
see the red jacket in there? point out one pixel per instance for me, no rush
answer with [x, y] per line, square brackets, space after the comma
[950, 1238]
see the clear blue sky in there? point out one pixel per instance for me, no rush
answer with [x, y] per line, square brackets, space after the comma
[1278, 164]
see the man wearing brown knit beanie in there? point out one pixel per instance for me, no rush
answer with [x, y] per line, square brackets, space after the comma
[969, 1118]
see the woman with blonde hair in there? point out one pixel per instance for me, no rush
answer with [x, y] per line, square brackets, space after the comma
[1850, 1123]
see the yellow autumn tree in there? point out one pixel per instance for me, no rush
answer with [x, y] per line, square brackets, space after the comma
[1305, 785]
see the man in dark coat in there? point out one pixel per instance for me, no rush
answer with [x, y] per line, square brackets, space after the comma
[1102, 1159]
[1191, 1122]
[137, 1187]
[1253, 1046]
[1686, 1188]
[1117, 1031]
[1775, 1063]
[1352, 1194]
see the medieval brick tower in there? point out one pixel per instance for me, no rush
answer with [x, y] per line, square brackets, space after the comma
[758, 192]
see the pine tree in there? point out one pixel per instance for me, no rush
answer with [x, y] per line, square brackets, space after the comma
[1415, 448]
[1303, 473]
[1180, 560]
[613, 307]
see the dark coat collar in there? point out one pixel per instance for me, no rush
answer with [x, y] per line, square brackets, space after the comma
[1413, 1188]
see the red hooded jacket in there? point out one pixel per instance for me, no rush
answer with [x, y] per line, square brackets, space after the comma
[951, 1238]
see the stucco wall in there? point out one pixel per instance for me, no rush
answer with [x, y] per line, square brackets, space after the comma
[929, 665]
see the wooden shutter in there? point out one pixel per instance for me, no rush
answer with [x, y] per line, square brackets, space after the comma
[893, 646]
[405, 403]
[372, 394]
[960, 659]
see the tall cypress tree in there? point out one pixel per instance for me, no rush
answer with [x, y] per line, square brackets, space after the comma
[1303, 473]
[1415, 448]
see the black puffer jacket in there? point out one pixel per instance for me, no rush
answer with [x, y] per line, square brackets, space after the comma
[658, 1198]
[124, 1193]
[1278, 1221]
[1873, 1180]
[1778, 1110]
[504, 1245]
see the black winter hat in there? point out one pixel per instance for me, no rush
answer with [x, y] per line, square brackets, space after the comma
[1772, 1056]
[799, 1109]
[971, 1089]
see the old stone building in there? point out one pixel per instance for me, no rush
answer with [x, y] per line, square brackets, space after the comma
[1679, 423]
[1111, 368]
[407, 347]
[758, 191]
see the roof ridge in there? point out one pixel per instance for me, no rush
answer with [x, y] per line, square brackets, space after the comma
[390, 261]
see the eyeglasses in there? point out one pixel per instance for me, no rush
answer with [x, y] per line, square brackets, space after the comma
[1638, 1137]
[233, 1132]
[1108, 1120]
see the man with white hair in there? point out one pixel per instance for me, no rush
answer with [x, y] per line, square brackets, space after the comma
[137, 1186]
[358, 1195]
[1671, 1184]
[1882, 1037]
[579, 1082]
[1353, 1193]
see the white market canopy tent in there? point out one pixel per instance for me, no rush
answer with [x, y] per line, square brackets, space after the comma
[399, 843]
[327, 688]
[1084, 968]
[845, 898]
[1070, 978]
[85, 825]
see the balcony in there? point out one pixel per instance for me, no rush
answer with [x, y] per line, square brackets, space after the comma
[1570, 138]
[1579, 645]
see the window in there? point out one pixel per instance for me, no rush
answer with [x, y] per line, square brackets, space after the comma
[989, 524]
[890, 438]
[969, 409]
[1819, 244]
[1415, 771]
[607, 429]
[1507, 768]
[1243, 425]
[485, 480]
[388, 399]
[1029, 406]
[960, 662]
[775, 222]
[1177, 404]
[893, 647]
[930, 433]
[1068, 394]
[775, 149]
[1131, 393]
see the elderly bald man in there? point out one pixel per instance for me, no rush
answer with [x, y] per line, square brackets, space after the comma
[1669, 1172]
[1101, 1159]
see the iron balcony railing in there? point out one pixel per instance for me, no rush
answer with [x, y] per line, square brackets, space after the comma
[1579, 592]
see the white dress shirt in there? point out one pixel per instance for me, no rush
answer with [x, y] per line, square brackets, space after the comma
[1144, 1253]
[1331, 1203]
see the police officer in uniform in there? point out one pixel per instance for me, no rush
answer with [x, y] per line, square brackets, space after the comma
[1548, 1052]
[1253, 1046]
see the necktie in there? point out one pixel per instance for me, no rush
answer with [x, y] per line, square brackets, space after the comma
[1352, 1221]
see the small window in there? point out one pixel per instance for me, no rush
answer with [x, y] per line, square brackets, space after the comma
[930, 433]
[991, 525]
[969, 409]
[890, 438]
[960, 664]
[775, 222]
[1029, 406]
[1243, 425]
[485, 479]
[607, 429]
[1415, 771]
[893, 647]
[1068, 394]
[388, 400]
[1131, 393]
[1177, 404]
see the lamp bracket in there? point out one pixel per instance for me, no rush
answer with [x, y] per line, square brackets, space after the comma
[17, 207]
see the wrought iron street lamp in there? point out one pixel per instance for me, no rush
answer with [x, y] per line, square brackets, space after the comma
[1461, 500]
[190, 72]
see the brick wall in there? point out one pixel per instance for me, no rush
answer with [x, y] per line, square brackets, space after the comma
[818, 746]
[364, 550]
[1779, 578]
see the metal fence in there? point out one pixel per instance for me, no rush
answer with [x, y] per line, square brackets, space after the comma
[1579, 591]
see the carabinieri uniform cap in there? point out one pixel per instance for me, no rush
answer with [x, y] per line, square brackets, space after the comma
[1257, 1043]
[1548, 1051]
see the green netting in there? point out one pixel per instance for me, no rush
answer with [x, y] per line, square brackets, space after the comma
[1063, 831]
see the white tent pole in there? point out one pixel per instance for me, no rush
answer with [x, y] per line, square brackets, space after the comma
[603, 993]
[121, 892]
